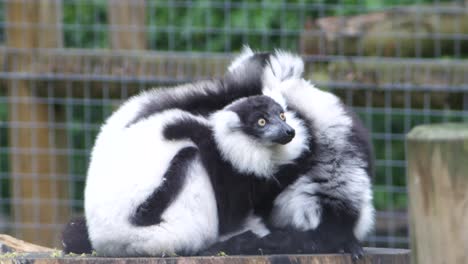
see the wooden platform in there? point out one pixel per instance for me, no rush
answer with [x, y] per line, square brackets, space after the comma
[372, 255]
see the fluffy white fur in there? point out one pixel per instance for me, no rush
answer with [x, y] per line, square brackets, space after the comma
[366, 218]
[284, 65]
[334, 125]
[127, 164]
[247, 154]
[295, 208]
[283, 82]
[240, 60]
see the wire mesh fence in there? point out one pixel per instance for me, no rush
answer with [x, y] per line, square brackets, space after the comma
[68, 64]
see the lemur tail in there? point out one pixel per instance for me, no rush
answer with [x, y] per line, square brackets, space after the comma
[75, 237]
[191, 129]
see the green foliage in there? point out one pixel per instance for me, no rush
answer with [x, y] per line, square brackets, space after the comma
[85, 23]
[212, 26]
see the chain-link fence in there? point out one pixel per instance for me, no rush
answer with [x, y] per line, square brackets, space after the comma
[66, 65]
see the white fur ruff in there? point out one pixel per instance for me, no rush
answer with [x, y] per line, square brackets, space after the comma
[246, 154]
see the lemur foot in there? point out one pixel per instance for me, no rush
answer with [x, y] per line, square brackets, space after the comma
[354, 248]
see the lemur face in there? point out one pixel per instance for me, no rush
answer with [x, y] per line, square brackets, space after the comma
[264, 119]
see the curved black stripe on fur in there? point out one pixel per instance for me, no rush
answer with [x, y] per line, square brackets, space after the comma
[150, 211]
[233, 191]
[211, 96]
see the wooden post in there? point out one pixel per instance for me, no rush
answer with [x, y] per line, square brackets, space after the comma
[438, 188]
[127, 24]
[38, 173]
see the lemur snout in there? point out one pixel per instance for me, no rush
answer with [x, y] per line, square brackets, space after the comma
[286, 135]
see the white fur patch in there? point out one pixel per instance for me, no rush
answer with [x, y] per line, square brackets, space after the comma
[366, 218]
[127, 164]
[248, 155]
[243, 152]
[295, 207]
[245, 54]
[281, 66]
[276, 96]
[256, 225]
[284, 65]
[252, 223]
[323, 109]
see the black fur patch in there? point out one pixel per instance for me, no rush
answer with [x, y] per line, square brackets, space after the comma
[150, 211]
[333, 235]
[360, 139]
[75, 237]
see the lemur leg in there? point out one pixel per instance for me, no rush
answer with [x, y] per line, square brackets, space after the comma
[334, 234]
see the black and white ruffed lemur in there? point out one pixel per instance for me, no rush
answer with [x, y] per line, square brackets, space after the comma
[177, 170]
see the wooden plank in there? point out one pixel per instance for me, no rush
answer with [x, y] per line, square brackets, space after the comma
[127, 24]
[38, 174]
[372, 255]
[438, 190]
[11, 244]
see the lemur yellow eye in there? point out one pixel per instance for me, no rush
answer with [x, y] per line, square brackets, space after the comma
[283, 116]
[261, 122]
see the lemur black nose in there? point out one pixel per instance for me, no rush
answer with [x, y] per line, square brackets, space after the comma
[291, 132]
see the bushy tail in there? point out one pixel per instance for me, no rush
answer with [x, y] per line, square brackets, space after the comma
[75, 237]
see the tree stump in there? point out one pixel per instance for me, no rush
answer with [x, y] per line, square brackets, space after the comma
[438, 189]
